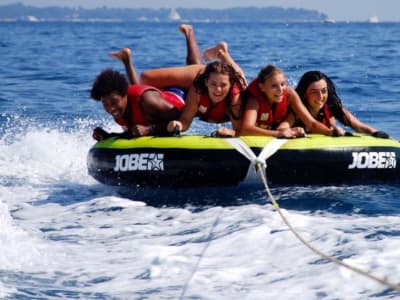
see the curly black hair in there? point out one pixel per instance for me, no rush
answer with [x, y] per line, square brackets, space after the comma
[107, 82]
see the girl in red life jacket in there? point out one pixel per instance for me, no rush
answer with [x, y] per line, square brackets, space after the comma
[213, 90]
[318, 93]
[269, 100]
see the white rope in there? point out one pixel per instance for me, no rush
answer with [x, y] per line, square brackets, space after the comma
[209, 238]
[245, 150]
[242, 148]
[268, 150]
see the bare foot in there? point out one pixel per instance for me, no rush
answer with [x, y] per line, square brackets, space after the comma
[215, 52]
[123, 55]
[186, 29]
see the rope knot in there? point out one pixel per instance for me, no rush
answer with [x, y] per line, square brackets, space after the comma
[259, 163]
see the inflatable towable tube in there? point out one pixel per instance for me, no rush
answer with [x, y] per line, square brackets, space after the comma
[201, 161]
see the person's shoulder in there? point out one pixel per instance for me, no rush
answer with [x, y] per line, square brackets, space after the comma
[292, 94]
[291, 90]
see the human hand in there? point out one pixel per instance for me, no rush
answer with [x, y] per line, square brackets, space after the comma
[298, 131]
[291, 132]
[337, 131]
[174, 126]
[99, 134]
[225, 132]
[380, 134]
[141, 130]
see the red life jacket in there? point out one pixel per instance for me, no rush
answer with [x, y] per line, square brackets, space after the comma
[326, 116]
[135, 114]
[268, 116]
[218, 113]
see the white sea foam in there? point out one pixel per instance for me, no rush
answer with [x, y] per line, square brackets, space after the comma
[58, 225]
[21, 247]
[64, 236]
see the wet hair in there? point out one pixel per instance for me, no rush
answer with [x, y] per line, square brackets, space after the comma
[267, 72]
[334, 102]
[264, 73]
[219, 68]
[235, 78]
[107, 82]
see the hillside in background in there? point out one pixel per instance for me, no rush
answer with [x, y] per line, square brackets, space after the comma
[21, 12]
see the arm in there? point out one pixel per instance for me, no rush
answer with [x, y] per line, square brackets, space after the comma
[236, 112]
[357, 125]
[301, 111]
[188, 113]
[249, 121]
[289, 121]
[158, 111]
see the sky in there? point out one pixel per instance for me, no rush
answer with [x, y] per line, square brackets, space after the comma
[339, 10]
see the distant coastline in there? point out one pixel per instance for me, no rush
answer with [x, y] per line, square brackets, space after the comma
[20, 12]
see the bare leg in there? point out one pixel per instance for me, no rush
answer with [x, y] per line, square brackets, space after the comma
[193, 52]
[124, 55]
[174, 76]
[220, 52]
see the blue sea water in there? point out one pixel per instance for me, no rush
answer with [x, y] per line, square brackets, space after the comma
[65, 236]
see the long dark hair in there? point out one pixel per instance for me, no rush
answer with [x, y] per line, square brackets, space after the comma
[334, 102]
[220, 68]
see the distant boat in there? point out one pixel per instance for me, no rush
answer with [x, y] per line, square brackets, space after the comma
[173, 15]
[373, 19]
[32, 19]
[329, 21]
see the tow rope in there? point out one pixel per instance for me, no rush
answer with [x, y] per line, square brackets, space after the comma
[259, 162]
[261, 165]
